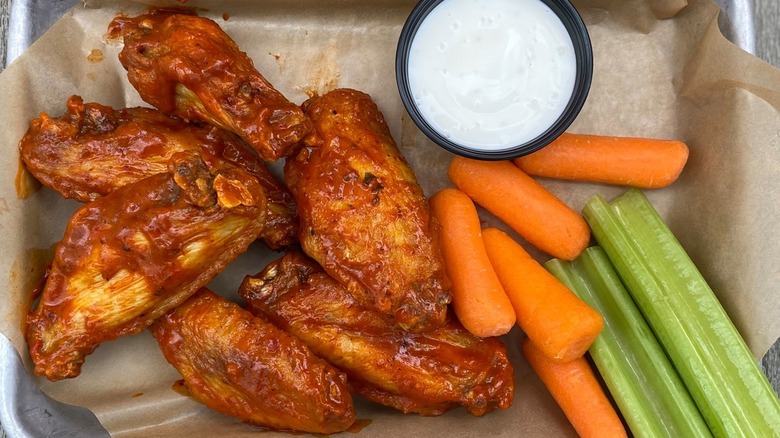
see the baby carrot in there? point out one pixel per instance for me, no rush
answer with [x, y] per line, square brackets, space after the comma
[627, 161]
[560, 324]
[523, 204]
[478, 299]
[575, 388]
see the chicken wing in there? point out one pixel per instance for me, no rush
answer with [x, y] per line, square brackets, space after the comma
[129, 257]
[92, 150]
[426, 373]
[363, 216]
[245, 367]
[188, 66]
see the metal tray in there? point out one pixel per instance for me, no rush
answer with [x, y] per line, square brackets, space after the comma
[25, 410]
[29, 19]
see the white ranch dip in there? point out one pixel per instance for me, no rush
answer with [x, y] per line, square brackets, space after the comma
[491, 74]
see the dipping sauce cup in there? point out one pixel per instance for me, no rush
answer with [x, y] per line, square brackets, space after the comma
[494, 79]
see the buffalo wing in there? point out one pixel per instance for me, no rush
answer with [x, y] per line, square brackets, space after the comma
[363, 216]
[129, 257]
[426, 373]
[188, 66]
[246, 367]
[92, 150]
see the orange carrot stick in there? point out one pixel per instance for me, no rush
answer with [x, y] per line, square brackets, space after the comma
[478, 299]
[575, 388]
[637, 162]
[514, 197]
[555, 319]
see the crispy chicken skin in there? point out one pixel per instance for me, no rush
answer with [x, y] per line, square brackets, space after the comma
[129, 257]
[188, 66]
[245, 367]
[363, 216]
[425, 373]
[93, 149]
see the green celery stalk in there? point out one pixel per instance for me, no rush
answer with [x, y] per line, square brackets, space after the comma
[644, 384]
[708, 352]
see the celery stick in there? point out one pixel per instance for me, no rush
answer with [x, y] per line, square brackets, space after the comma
[644, 384]
[711, 357]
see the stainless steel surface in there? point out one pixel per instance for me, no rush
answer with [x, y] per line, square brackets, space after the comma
[767, 25]
[754, 25]
[29, 19]
[737, 23]
[28, 412]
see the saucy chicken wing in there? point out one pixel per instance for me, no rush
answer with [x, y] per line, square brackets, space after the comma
[363, 216]
[245, 367]
[188, 66]
[92, 150]
[127, 258]
[426, 373]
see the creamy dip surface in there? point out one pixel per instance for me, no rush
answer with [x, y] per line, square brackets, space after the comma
[491, 74]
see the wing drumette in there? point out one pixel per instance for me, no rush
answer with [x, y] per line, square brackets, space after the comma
[363, 216]
[92, 150]
[426, 373]
[242, 366]
[188, 66]
[129, 257]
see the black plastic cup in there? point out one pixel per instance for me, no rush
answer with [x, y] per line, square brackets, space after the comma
[584, 72]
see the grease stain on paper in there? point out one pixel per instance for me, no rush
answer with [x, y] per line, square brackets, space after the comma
[95, 55]
[28, 276]
[180, 388]
[359, 425]
[324, 74]
[25, 183]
